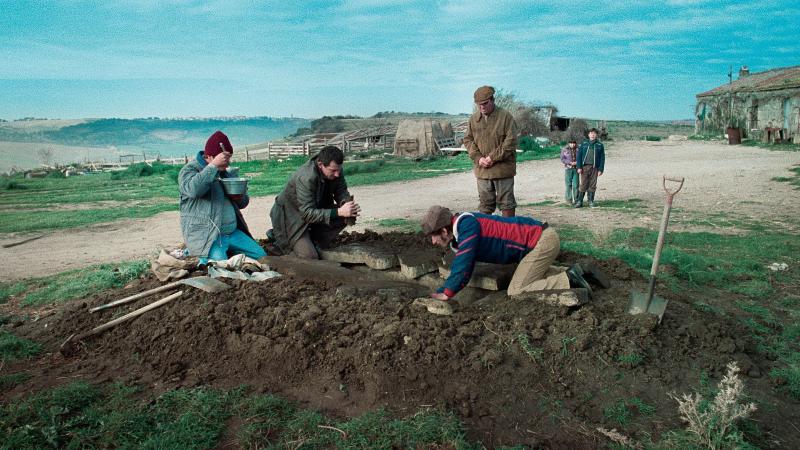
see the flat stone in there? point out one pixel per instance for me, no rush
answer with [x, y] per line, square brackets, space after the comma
[563, 297]
[492, 277]
[430, 280]
[415, 265]
[359, 253]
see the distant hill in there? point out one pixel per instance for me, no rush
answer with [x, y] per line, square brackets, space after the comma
[168, 137]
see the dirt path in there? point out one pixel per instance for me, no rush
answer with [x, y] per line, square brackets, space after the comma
[734, 181]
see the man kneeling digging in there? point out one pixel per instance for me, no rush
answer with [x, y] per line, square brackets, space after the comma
[500, 240]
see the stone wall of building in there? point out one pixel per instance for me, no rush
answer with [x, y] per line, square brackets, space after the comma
[754, 112]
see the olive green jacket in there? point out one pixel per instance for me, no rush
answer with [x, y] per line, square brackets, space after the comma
[306, 199]
[202, 201]
[494, 136]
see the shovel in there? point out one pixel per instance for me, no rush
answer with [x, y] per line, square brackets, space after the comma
[69, 347]
[650, 303]
[206, 284]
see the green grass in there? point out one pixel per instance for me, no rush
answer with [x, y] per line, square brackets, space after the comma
[705, 137]
[11, 380]
[534, 353]
[74, 283]
[26, 221]
[720, 265]
[80, 415]
[621, 412]
[8, 290]
[794, 180]
[541, 203]
[400, 224]
[733, 263]
[785, 147]
[628, 204]
[143, 191]
[631, 359]
[717, 220]
[13, 347]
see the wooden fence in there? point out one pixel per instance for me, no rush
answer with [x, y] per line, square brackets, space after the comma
[269, 150]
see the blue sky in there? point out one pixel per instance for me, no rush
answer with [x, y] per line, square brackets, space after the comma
[140, 58]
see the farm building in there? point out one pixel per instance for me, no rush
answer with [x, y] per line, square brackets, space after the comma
[764, 105]
[422, 137]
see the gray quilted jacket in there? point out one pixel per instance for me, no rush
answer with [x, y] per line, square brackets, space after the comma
[202, 200]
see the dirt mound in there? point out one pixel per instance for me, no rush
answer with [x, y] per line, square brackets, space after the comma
[516, 371]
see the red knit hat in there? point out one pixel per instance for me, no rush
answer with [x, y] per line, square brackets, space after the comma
[217, 144]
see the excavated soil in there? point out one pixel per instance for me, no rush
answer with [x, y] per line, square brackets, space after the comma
[346, 342]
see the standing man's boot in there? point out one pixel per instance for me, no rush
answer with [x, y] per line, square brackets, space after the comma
[579, 201]
[591, 199]
[509, 212]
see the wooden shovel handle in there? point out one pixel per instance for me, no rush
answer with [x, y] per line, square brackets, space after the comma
[673, 179]
[135, 313]
[144, 294]
[70, 342]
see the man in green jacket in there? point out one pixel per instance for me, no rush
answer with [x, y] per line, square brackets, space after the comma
[311, 210]
[211, 221]
[491, 141]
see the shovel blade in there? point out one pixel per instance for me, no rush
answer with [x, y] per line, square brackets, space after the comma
[206, 284]
[638, 305]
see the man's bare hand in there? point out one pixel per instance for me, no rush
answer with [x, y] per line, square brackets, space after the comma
[349, 209]
[221, 161]
[580, 170]
[485, 162]
[440, 296]
[599, 173]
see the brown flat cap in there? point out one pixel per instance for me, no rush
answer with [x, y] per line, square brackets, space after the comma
[435, 219]
[483, 93]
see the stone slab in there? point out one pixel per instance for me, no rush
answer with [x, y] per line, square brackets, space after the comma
[417, 264]
[360, 253]
[493, 277]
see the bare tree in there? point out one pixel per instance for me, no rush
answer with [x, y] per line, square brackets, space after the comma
[45, 155]
[527, 115]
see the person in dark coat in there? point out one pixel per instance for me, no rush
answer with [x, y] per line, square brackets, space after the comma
[591, 160]
[313, 207]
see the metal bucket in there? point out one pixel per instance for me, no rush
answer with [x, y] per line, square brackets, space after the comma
[234, 186]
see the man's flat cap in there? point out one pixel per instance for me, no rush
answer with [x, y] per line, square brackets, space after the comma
[483, 93]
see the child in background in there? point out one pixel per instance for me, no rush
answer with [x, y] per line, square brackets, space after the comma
[571, 178]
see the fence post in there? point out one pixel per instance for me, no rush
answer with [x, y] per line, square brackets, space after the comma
[269, 150]
[246, 154]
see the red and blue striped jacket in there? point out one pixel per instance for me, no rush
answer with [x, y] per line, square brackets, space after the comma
[491, 239]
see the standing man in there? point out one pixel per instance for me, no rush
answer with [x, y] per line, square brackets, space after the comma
[571, 180]
[491, 141]
[311, 210]
[211, 222]
[591, 161]
[501, 240]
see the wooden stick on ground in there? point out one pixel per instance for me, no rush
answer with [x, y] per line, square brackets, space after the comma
[137, 296]
[67, 347]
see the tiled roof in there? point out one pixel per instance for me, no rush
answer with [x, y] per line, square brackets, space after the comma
[782, 78]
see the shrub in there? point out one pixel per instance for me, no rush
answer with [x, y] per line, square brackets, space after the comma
[8, 185]
[145, 170]
[712, 424]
